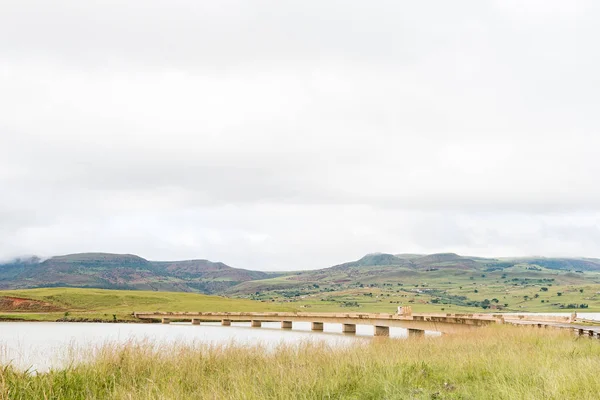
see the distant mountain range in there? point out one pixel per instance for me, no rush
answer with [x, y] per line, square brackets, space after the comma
[123, 271]
[452, 260]
[126, 271]
[379, 269]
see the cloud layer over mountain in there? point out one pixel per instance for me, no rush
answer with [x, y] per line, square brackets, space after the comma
[284, 135]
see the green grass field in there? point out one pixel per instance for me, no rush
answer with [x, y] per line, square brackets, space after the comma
[381, 289]
[499, 362]
[435, 296]
[108, 305]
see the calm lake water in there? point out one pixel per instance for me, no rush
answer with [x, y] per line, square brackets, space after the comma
[38, 346]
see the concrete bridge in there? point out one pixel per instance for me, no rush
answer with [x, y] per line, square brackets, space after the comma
[416, 324]
[589, 328]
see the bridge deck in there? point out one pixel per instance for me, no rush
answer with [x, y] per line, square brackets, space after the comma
[589, 330]
[445, 323]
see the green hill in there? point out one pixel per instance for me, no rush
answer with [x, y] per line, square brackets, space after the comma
[375, 282]
[107, 305]
[123, 271]
[437, 282]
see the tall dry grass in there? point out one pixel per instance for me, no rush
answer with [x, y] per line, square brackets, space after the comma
[499, 362]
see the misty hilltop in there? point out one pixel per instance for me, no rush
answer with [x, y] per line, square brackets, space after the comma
[122, 271]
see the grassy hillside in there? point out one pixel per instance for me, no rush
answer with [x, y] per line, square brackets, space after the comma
[52, 304]
[377, 282]
[438, 282]
[123, 271]
[499, 362]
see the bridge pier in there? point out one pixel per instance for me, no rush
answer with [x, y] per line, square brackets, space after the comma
[349, 328]
[317, 326]
[166, 321]
[195, 321]
[286, 324]
[226, 322]
[255, 324]
[415, 333]
[382, 330]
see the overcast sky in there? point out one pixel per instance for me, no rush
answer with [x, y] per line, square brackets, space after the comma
[283, 135]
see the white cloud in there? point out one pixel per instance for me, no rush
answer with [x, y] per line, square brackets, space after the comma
[297, 135]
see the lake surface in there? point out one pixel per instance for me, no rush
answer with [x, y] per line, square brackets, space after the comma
[38, 346]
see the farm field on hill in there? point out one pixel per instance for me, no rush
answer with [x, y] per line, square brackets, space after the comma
[70, 304]
[519, 288]
[375, 283]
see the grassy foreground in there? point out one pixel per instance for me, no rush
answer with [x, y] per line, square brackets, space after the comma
[499, 362]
